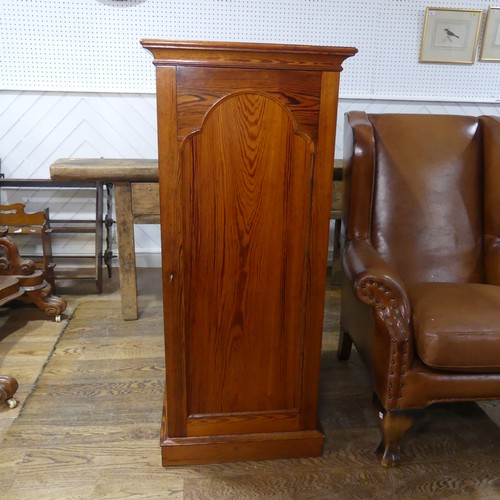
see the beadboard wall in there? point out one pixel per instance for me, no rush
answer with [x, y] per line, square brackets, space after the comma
[37, 128]
[75, 82]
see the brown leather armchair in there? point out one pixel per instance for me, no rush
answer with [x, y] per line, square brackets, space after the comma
[421, 261]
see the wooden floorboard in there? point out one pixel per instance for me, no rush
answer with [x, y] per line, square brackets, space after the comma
[91, 394]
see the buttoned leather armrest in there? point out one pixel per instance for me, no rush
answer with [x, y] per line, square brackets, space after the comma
[374, 281]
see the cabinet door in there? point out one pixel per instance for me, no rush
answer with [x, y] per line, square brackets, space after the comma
[246, 179]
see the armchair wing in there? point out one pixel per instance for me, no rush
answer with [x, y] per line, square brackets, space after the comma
[491, 138]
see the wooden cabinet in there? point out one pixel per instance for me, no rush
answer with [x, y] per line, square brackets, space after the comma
[246, 144]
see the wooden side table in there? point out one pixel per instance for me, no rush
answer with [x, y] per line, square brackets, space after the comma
[137, 202]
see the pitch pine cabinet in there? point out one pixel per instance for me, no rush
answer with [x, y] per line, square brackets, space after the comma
[246, 144]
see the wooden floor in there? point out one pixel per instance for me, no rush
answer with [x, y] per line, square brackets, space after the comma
[91, 392]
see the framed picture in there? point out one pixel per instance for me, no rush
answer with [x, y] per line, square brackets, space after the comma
[490, 48]
[450, 35]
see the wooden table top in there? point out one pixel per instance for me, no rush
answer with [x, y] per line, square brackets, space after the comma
[104, 170]
[118, 170]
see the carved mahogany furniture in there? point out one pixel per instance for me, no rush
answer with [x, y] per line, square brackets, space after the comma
[9, 290]
[19, 222]
[421, 256]
[35, 290]
[8, 387]
[246, 143]
[19, 280]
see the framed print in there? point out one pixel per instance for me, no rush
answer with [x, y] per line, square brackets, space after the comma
[450, 35]
[490, 48]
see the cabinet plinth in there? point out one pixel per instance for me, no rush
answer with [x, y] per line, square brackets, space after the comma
[246, 143]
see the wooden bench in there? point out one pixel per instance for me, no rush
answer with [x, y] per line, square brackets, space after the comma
[136, 192]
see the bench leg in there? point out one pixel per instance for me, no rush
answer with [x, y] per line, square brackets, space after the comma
[126, 250]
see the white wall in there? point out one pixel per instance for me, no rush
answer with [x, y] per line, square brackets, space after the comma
[93, 45]
[75, 82]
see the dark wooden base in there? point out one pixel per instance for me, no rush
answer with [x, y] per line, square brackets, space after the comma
[239, 448]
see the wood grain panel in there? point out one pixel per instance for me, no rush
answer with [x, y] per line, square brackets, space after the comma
[320, 213]
[145, 198]
[236, 448]
[174, 420]
[243, 423]
[201, 88]
[247, 188]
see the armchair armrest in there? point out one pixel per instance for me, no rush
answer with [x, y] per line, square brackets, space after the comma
[378, 285]
[375, 282]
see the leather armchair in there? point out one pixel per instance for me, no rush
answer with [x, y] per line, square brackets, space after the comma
[421, 262]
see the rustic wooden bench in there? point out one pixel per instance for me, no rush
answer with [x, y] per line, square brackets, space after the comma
[136, 192]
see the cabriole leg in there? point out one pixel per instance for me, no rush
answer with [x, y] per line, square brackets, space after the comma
[393, 425]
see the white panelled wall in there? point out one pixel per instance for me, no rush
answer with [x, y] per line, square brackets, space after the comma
[37, 128]
[75, 81]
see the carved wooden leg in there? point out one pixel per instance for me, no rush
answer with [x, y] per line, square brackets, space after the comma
[393, 425]
[345, 345]
[8, 387]
[53, 305]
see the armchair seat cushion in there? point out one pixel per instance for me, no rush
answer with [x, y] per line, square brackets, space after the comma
[457, 325]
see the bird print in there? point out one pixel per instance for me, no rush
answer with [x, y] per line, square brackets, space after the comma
[450, 34]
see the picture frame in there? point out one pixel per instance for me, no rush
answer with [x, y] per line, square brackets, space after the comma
[450, 36]
[490, 46]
